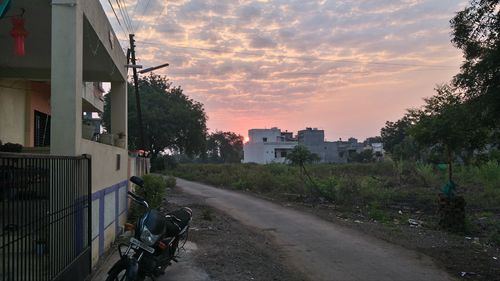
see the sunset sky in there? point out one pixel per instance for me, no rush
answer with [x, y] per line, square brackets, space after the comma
[342, 66]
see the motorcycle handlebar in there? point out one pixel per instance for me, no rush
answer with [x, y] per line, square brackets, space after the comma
[138, 199]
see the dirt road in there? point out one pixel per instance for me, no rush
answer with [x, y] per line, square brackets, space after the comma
[320, 249]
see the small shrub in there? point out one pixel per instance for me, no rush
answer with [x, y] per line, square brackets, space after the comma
[328, 187]
[170, 181]
[428, 174]
[207, 215]
[376, 213]
[153, 192]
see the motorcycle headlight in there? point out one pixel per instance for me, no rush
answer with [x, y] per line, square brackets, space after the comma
[148, 237]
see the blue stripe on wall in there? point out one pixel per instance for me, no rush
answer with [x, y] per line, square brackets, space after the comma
[99, 195]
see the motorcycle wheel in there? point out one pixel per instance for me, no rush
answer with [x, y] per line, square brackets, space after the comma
[119, 273]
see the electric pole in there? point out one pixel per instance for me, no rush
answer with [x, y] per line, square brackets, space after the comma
[136, 88]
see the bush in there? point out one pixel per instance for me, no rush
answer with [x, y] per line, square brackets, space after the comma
[153, 192]
[162, 163]
[170, 181]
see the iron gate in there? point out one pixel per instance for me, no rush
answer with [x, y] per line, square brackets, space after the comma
[45, 217]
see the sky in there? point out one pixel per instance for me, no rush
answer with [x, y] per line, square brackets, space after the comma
[345, 67]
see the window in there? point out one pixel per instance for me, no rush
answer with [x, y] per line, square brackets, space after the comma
[264, 139]
[42, 129]
[283, 154]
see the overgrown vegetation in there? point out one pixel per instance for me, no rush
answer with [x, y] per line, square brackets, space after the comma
[153, 191]
[376, 190]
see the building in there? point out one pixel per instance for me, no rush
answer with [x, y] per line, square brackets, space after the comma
[70, 50]
[272, 145]
[314, 140]
[267, 146]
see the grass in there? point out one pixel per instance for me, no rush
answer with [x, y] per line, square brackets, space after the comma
[379, 190]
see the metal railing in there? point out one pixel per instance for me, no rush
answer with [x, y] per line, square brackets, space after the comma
[45, 217]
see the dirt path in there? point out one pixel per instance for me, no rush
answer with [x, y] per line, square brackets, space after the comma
[219, 248]
[320, 249]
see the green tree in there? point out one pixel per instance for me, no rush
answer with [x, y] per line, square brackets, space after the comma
[445, 122]
[171, 119]
[300, 156]
[476, 32]
[397, 140]
[364, 156]
[225, 147]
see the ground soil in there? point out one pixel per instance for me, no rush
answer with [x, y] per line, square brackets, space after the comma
[466, 258]
[228, 250]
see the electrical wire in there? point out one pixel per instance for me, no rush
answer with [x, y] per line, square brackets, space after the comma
[143, 13]
[116, 16]
[125, 15]
[124, 18]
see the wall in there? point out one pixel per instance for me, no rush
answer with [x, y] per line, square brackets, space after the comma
[104, 167]
[40, 101]
[256, 135]
[109, 193]
[263, 153]
[13, 95]
[311, 137]
[327, 151]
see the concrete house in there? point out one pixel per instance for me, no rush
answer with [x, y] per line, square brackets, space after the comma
[70, 50]
[271, 146]
[314, 140]
[267, 146]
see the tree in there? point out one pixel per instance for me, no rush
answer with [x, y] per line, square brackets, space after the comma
[171, 119]
[444, 122]
[300, 156]
[225, 147]
[476, 31]
[364, 156]
[397, 140]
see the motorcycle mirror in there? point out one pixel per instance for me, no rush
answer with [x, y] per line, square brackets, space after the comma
[137, 180]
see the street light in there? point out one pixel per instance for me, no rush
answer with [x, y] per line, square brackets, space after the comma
[138, 99]
[136, 84]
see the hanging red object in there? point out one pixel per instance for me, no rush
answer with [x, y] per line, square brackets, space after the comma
[19, 34]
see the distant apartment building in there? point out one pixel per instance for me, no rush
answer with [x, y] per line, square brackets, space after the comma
[271, 146]
[268, 146]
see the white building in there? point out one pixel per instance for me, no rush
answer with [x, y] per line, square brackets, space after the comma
[268, 146]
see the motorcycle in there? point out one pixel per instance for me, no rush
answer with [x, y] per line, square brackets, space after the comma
[155, 243]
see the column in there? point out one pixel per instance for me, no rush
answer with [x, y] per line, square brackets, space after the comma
[66, 78]
[119, 113]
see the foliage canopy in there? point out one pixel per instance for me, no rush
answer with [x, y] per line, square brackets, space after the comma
[171, 119]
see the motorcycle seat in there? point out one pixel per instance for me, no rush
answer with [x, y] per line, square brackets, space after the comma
[177, 220]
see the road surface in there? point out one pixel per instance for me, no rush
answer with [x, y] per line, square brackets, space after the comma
[321, 250]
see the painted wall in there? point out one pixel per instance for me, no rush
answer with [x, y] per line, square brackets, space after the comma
[13, 95]
[40, 101]
[257, 135]
[263, 153]
[109, 213]
[104, 163]
[109, 186]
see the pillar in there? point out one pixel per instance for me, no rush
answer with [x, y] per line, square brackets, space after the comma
[66, 77]
[119, 113]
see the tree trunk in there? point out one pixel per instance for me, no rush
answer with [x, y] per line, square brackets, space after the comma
[450, 163]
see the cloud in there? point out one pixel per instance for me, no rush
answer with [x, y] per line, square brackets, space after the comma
[267, 59]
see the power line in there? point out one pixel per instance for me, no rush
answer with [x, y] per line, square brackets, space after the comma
[158, 17]
[125, 15]
[143, 13]
[116, 16]
[306, 58]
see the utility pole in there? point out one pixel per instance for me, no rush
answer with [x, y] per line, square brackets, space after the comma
[136, 88]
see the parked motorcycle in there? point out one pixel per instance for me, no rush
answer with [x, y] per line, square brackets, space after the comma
[154, 245]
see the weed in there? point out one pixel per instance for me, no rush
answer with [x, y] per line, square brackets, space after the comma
[207, 214]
